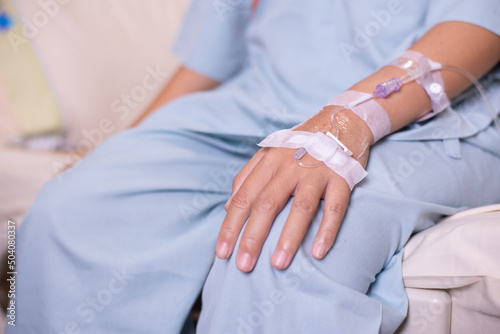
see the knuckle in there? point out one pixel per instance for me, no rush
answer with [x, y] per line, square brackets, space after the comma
[303, 205]
[329, 234]
[291, 241]
[227, 232]
[238, 179]
[250, 242]
[266, 204]
[336, 209]
[240, 200]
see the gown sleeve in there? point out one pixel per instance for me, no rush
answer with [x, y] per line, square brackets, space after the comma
[212, 37]
[484, 13]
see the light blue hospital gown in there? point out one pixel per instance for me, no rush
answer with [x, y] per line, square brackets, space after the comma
[124, 243]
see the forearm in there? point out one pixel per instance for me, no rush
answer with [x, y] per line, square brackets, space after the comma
[463, 45]
[183, 82]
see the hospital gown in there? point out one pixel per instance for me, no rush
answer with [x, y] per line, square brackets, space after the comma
[124, 242]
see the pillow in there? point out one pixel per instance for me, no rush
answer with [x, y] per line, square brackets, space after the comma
[98, 55]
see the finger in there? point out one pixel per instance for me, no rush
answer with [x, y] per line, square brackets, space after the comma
[335, 205]
[244, 172]
[239, 209]
[304, 206]
[264, 210]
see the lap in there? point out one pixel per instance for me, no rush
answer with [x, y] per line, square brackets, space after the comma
[162, 186]
[134, 223]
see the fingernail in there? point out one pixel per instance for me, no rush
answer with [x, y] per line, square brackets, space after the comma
[280, 259]
[244, 262]
[222, 249]
[319, 250]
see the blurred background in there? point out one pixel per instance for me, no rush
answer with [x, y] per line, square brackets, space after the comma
[72, 73]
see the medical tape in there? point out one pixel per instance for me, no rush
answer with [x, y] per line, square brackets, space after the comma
[430, 79]
[321, 147]
[367, 109]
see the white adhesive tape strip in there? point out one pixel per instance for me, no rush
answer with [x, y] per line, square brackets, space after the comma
[367, 109]
[432, 82]
[322, 148]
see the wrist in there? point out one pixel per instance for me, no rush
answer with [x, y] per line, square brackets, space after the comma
[349, 128]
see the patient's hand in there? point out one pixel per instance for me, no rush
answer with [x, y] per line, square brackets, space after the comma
[261, 190]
